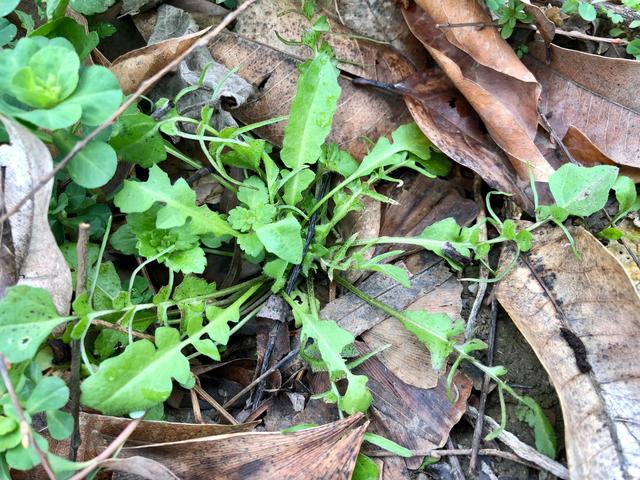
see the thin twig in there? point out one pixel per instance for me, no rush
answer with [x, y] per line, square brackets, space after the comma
[107, 452]
[212, 401]
[25, 428]
[145, 274]
[484, 274]
[477, 432]
[466, 24]
[556, 138]
[293, 277]
[286, 359]
[76, 360]
[195, 404]
[121, 329]
[133, 98]
[459, 452]
[458, 474]
[520, 448]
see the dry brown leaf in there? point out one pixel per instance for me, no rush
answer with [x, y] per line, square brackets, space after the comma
[422, 201]
[450, 122]
[134, 67]
[377, 19]
[416, 418]
[488, 73]
[546, 27]
[596, 95]
[361, 112]
[581, 318]
[139, 466]
[29, 254]
[328, 451]
[357, 56]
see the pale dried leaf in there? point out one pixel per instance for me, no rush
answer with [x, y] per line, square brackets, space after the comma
[581, 318]
[140, 466]
[33, 257]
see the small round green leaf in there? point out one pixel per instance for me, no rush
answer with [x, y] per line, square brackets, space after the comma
[93, 166]
[50, 393]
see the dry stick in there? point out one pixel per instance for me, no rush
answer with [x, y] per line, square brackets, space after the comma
[195, 404]
[520, 448]
[107, 452]
[74, 380]
[286, 359]
[459, 452]
[454, 462]
[212, 401]
[25, 428]
[484, 274]
[562, 33]
[121, 329]
[556, 138]
[477, 432]
[133, 98]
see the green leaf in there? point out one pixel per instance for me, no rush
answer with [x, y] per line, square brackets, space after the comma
[192, 286]
[582, 191]
[140, 377]
[27, 317]
[275, 269]
[388, 445]
[136, 141]
[21, 458]
[7, 425]
[545, 436]
[626, 194]
[50, 76]
[509, 229]
[50, 393]
[124, 240]
[91, 167]
[365, 469]
[178, 200]
[524, 240]
[311, 111]
[98, 94]
[60, 116]
[633, 48]
[251, 245]
[90, 7]
[436, 331]
[59, 423]
[357, 397]
[587, 11]
[296, 185]
[282, 238]
[68, 28]
[8, 31]
[8, 6]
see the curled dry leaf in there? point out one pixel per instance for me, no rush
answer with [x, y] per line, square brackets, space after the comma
[591, 101]
[488, 73]
[134, 67]
[361, 112]
[357, 56]
[139, 466]
[450, 122]
[328, 451]
[29, 254]
[581, 318]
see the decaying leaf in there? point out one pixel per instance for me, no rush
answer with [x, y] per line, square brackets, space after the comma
[139, 466]
[489, 74]
[377, 19]
[581, 318]
[134, 67]
[361, 112]
[29, 254]
[591, 99]
[357, 56]
[328, 451]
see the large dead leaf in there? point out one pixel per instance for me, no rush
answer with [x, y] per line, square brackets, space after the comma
[29, 254]
[450, 122]
[488, 73]
[581, 318]
[591, 101]
[361, 112]
[357, 56]
[324, 452]
[377, 19]
[134, 67]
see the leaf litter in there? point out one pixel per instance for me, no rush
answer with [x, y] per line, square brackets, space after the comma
[284, 258]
